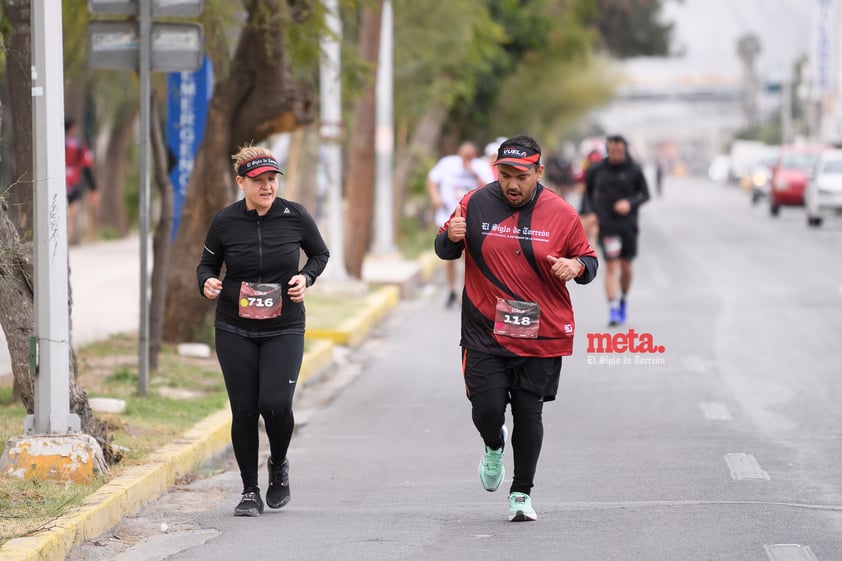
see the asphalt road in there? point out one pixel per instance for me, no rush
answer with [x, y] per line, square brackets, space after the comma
[723, 447]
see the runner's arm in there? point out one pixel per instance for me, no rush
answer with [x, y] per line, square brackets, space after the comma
[641, 190]
[447, 249]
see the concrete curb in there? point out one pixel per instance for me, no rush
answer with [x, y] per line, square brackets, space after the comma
[354, 330]
[430, 263]
[126, 494]
[159, 471]
[318, 355]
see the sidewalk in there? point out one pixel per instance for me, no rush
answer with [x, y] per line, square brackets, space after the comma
[144, 483]
[100, 272]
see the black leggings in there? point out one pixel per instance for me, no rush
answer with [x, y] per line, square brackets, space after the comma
[260, 376]
[489, 414]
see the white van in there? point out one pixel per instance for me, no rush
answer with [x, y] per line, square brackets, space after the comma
[824, 189]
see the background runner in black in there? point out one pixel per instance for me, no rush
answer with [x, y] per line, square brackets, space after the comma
[614, 189]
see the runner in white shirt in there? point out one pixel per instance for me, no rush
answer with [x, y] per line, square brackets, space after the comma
[447, 183]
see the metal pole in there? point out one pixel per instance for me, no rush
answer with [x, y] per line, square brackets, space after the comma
[330, 86]
[145, 25]
[52, 321]
[786, 112]
[385, 140]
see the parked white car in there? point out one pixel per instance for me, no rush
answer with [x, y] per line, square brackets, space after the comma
[824, 189]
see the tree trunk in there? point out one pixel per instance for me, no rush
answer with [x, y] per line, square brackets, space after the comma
[423, 138]
[307, 192]
[17, 305]
[359, 182]
[18, 135]
[17, 317]
[19, 132]
[161, 238]
[295, 157]
[257, 99]
[111, 173]
[301, 169]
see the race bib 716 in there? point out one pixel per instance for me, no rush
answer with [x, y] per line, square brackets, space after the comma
[260, 300]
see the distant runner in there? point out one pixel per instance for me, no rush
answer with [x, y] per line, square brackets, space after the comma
[615, 188]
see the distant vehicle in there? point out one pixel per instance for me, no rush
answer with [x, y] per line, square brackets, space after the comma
[719, 167]
[790, 174]
[824, 191]
[760, 180]
[744, 156]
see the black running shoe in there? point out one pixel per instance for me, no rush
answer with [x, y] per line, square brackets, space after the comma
[250, 503]
[278, 493]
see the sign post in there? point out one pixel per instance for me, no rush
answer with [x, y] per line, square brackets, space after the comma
[145, 46]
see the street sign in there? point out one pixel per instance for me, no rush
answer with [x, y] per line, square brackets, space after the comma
[115, 45]
[145, 46]
[823, 56]
[160, 8]
[188, 96]
[176, 47]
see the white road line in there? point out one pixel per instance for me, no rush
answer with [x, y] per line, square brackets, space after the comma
[744, 466]
[715, 411]
[789, 552]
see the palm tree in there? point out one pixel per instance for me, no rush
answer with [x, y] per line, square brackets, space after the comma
[748, 47]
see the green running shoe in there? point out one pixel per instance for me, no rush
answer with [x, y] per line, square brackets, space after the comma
[491, 469]
[520, 508]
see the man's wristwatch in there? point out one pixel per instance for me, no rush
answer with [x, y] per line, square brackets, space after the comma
[584, 267]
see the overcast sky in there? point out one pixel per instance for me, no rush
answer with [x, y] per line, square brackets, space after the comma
[706, 31]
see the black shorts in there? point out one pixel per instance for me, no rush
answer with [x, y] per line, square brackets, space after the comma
[618, 243]
[483, 372]
[74, 194]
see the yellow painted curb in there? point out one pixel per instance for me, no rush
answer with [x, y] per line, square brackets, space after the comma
[354, 330]
[142, 484]
[126, 494]
[430, 263]
[318, 357]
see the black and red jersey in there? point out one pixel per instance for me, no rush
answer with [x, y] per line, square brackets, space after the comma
[506, 252]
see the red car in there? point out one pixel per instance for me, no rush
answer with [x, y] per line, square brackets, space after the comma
[790, 175]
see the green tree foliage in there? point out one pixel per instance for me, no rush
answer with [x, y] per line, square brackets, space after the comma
[442, 50]
[549, 73]
[559, 93]
[629, 28]
[546, 77]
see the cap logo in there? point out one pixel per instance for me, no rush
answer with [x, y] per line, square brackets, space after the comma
[520, 157]
[260, 165]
